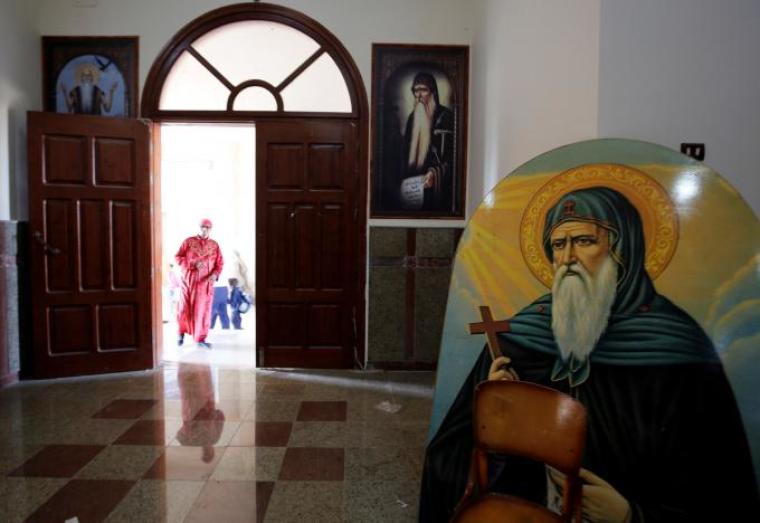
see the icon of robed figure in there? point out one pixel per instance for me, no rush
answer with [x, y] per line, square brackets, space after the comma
[428, 149]
[87, 97]
[665, 438]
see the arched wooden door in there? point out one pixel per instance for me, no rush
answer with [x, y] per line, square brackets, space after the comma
[286, 73]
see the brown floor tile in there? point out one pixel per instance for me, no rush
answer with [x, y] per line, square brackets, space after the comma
[189, 463]
[125, 409]
[58, 461]
[262, 434]
[86, 499]
[149, 432]
[322, 411]
[231, 501]
[312, 464]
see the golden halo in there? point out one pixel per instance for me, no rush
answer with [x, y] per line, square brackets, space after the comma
[658, 214]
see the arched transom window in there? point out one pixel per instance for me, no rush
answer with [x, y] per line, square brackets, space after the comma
[255, 65]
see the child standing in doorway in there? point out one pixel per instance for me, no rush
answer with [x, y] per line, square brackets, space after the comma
[235, 300]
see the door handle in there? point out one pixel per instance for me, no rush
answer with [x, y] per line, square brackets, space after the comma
[293, 214]
[49, 249]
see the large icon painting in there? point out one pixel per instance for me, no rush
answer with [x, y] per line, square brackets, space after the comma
[630, 278]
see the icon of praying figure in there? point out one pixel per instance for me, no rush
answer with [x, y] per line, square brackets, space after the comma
[86, 97]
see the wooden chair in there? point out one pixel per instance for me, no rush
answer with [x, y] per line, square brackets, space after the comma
[523, 419]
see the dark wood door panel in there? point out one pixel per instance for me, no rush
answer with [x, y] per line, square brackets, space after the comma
[307, 264]
[58, 226]
[65, 160]
[114, 162]
[89, 202]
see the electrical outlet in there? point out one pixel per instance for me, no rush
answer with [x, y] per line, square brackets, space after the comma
[695, 150]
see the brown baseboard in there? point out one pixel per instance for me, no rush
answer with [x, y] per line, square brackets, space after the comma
[8, 380]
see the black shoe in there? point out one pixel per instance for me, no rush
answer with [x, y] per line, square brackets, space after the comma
[204, 344]
[181, 340]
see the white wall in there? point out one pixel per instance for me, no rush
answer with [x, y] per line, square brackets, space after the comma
[534, 84]
[685, 71]
[19, 92]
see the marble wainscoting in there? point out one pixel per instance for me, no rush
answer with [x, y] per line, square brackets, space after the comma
[10, 346]
[409, 274]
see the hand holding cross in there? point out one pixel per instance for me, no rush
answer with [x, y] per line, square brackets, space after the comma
[490, 328]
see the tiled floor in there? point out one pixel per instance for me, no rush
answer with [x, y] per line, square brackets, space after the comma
[191, 442]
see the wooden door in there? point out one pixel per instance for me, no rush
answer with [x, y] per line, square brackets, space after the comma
[90, 252]
[308, 256]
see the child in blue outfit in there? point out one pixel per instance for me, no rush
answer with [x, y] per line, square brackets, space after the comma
[219, 307]
[235, 300]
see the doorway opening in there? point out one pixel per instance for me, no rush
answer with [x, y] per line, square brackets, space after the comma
[208, 172]
[271, 65]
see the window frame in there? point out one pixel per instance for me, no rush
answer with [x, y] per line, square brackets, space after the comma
[183, 39]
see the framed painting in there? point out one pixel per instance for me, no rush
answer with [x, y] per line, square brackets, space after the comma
[419, 130]
[95, 75]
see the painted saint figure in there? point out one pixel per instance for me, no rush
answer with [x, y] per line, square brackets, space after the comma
[429, 145]
[666, 441]
[86, 97]
[200, 259]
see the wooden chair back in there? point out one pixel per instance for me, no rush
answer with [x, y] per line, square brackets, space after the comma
[519, 418]
[536, 422]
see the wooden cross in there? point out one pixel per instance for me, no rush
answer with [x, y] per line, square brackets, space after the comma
[490, 328]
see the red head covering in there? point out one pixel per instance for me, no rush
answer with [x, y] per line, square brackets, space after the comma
[205, 222]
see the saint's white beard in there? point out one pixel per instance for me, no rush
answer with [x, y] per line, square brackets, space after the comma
[581, 307]
[86, 90]
[422, 123]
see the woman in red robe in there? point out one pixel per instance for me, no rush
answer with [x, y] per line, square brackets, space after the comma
[201, 261]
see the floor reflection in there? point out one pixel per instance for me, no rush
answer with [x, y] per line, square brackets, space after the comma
[202, 422]
[197, 441]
